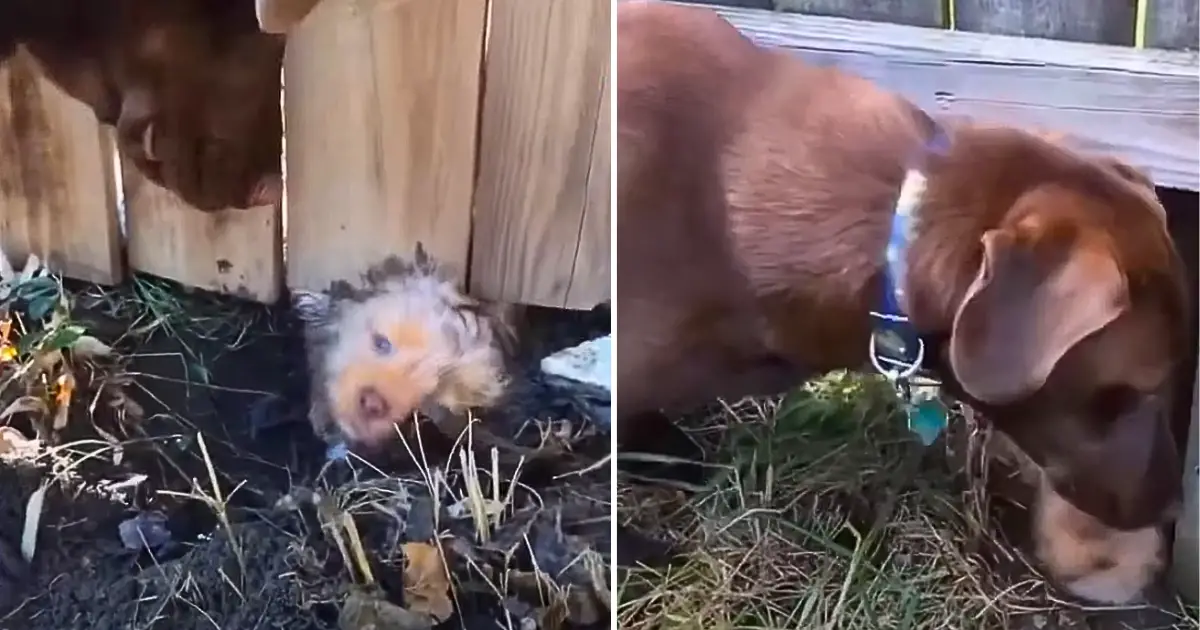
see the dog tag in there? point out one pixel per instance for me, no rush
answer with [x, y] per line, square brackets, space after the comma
[927, 418]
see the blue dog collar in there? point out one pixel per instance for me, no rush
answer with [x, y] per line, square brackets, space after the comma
[897, 351]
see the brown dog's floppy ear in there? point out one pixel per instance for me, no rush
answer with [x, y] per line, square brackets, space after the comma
[1033, 298]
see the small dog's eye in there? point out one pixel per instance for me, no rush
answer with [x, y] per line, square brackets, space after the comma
[382, 344]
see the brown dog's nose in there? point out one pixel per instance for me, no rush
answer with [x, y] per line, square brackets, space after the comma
[372, 404]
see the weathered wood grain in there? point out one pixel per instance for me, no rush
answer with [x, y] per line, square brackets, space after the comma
[1173, 24]
[929, 13]
[236, 251]
[1137, 104]
[382, 100]
[591, 281]
[546, 66]
[1096, 21]
[57, 185]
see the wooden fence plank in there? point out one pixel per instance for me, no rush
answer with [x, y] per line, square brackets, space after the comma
[546, 64]
[237, 251]
[1137, 104]
[1096, 21]
[1173, 24]
[57, 186]
[381, 117]
[912, 12]
[1185, 566]
[591, 281]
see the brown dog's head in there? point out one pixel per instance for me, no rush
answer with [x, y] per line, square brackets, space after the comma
[192, 87]
[1071, 327]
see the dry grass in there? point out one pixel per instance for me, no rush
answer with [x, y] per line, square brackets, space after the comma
[825, 514]
[483, 518]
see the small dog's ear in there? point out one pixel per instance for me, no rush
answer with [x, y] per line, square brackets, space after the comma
[312, 307]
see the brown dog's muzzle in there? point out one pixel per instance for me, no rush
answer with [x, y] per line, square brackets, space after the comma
[1128, 476]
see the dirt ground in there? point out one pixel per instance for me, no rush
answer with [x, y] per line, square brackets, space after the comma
[201, 391]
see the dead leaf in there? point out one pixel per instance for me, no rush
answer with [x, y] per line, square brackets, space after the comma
[370, 611]
[33, 517]
[47, 361]
[11, 440]
[426, 582]
[88, 347]
[62, 400]
[24, 404]
[582, 607]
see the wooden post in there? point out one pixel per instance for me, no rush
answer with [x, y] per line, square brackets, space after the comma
[57, 185]
[1096, 21]
[930, 13]
[235, 252]
[381, 107]
[541, 207]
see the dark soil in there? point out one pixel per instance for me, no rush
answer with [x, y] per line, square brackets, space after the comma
[233, 374]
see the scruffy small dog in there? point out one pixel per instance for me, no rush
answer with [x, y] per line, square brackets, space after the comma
[407, 341]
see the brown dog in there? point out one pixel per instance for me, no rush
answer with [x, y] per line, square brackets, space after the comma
[192, 87]
[755, 200]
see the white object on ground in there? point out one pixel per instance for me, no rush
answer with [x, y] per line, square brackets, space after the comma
[589, 362]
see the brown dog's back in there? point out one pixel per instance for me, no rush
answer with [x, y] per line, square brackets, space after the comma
[718, 139]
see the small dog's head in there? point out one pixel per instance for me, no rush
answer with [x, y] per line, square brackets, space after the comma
[409, 341]
[1073, 323]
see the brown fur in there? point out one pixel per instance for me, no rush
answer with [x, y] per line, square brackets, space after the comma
[200, 71]
[755, 195]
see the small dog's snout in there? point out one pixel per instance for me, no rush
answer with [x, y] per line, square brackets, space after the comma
[372, 404]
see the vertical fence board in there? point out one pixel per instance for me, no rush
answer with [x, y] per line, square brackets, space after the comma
[912, 12]
[1096, 21]
[57, 186]
[545, 71]
[235, 251]
[381, 117]
[591, 282]
[1173, 24]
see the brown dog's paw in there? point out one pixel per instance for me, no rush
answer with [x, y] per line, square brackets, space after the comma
[1091, 560]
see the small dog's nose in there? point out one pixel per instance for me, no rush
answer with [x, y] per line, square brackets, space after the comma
[372, 404]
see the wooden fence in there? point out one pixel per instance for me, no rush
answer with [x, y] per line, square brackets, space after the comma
[393, 136]
[1118, 76]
